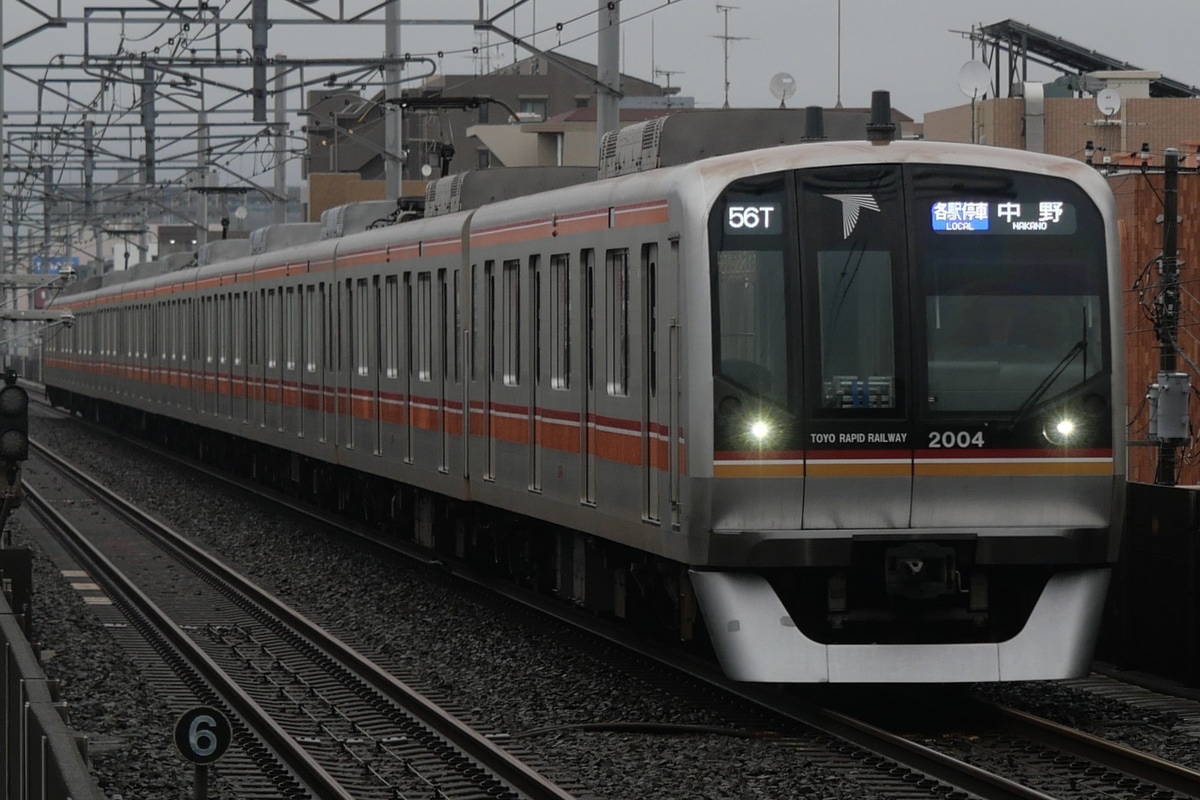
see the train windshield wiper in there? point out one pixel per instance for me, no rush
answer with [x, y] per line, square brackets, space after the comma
[1040, 390]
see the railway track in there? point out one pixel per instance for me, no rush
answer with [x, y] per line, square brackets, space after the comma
[892, 763]
[309, 715]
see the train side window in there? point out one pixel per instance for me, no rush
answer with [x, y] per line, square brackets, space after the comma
[587, 262]
[473, 322]
[560, 321]
[424, 327]
[223, 329]
[617, 275]
[310, 313]
[362, 324]
[511, 325]
[458, 328]
[391, 326]
[289, 328]
[650, 271]
[239, 329]
[272, 328]
[490, 308]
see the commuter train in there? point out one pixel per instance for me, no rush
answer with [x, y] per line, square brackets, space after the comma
[854, 406]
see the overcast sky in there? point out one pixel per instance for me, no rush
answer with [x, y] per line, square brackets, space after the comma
[913, 48]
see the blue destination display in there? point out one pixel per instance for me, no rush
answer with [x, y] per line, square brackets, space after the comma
[1046, 217]
[960, 216]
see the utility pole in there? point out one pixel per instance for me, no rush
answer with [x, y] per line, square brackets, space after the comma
[608, 69]
[725, 40]
[1167, 325]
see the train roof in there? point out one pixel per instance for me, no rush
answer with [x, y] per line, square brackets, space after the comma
[497, 204]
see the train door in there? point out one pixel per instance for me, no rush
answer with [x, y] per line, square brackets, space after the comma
[241, 409]
[208, 320]
[289, 387]
[410, 329]
[653, 441]
[469, 376]
[445, 341]
[329, 350]
[356, 355]
[425, 415]
[273, 381]
[674, 391]
[224, 357]
[489, 354]
[258, 388]
[376, 333]
[587, 393]
[854, 283]
[536, 401]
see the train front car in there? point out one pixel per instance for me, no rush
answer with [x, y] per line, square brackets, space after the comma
[916, 411]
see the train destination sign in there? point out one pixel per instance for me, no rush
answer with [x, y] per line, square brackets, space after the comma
[753, 217]
[1045, 217]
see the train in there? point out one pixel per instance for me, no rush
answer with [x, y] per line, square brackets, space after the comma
[839, 411]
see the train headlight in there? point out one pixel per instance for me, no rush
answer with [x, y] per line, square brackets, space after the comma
[1061, 431]
[760, 431]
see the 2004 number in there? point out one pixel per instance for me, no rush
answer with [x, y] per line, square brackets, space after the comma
[943, 439]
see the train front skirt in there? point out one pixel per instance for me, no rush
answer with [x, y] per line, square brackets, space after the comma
[756, 640]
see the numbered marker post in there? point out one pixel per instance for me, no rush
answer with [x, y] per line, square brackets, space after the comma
[202, 735]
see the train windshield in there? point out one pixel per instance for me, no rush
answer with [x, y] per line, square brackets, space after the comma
[878, 294]
[1011, 282]
[752, 322]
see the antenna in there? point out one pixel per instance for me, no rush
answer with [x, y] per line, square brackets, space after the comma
[725, 40]
[973, 79]
[667, 73]
[783, 86]
[839, 56]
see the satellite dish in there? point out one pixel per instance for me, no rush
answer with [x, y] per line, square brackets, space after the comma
[783, 86]
[974, 79]
[426, 170]
[1108, 101]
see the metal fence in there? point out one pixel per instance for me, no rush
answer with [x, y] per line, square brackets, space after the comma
[40, 755]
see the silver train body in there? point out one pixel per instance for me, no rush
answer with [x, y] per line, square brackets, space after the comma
[859, 404]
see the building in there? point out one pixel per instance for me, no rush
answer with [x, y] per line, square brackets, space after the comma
[1121, 119]
[346, 130]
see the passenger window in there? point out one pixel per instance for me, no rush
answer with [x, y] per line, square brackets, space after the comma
[618, 322]
[560, 321]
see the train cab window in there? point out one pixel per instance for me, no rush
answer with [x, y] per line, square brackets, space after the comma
[1011, 276]
[853, 252]
[857, 349]
[754, 306]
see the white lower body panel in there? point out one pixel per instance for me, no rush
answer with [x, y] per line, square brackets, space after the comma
[756, 640]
